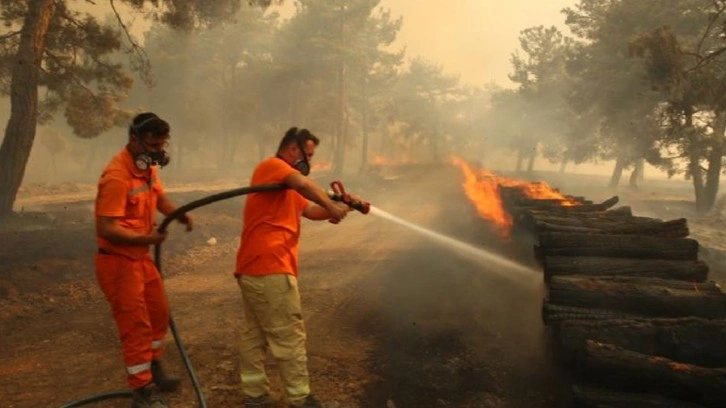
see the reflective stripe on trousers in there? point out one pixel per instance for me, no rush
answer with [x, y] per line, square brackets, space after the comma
[138, 303]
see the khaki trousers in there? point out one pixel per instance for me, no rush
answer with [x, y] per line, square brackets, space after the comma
[272, 318]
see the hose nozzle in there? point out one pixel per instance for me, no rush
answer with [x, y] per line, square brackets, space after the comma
[339, 194]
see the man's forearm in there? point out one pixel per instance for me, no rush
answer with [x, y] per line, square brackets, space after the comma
[315, 212]
[314, 193]
[165, 205]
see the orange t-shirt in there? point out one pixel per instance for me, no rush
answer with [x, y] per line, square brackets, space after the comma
[271, 231]
[131, 195]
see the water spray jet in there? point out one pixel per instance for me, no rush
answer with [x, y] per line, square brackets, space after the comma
[509, 269]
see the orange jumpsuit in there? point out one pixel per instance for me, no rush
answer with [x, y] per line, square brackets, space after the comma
[126, 273]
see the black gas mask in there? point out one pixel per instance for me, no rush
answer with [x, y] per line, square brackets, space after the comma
[302, 164]
[147, 158]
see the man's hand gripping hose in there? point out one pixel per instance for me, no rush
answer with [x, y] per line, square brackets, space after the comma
[338, 193]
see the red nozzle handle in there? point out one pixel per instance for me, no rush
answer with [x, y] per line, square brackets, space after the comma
[339, 194]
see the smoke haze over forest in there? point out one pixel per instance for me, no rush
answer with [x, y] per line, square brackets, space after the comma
[470, 82]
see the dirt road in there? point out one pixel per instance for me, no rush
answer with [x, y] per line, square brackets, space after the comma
[394, 319]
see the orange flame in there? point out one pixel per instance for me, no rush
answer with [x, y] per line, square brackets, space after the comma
[380, 160]
[485, 196]
[482, 189]
[542, 191]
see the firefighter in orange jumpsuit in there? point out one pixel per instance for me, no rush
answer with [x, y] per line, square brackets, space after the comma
[129, 195]
[267, 270]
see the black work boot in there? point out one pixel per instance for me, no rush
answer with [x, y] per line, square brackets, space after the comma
[163, 381]
[312, 402]
[263, 401]
[148, 397]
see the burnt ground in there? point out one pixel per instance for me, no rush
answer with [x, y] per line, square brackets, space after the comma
[394, 319]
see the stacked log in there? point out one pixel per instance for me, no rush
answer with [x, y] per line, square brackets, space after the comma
[689, 270]
[628, 303]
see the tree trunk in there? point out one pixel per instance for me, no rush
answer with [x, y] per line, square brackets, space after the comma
[339, 157]
[645, 373]
[689, 339]
[694, 167]
[636, 176]
[690, 271]
[563, 165]
[633, 179]
[640, 167]
[590, 397]
[715, 162]
[617, 246]
[364, 129]
[617, 173]
[532, 157]
[640, 296]
[434, 143]
[20, 130]
[341, 122]
[364, 151]
[53, 168]
[520, 159]
[713, 176]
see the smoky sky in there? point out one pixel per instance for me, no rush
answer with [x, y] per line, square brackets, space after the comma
[469, 38]
[473, 38]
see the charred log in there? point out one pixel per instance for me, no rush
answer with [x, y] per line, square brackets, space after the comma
[516, 196]
[691, 271]
[632, 371]
[640, 296]
[565, 209]
[591, 397]
[527, 219]
[689, 340]
[620, 213]
[669, 229]
[553, 314]
[617, 246]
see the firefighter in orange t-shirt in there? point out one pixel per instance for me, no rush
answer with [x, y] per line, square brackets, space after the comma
[267, 270]
[129, 195]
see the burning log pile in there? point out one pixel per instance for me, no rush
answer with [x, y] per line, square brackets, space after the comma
[631, 309]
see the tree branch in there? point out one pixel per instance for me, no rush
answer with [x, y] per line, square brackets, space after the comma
[143, 65]
[75, 79]
[11, 34]
[719, 10]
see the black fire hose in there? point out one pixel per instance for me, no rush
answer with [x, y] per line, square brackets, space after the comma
[172, 326]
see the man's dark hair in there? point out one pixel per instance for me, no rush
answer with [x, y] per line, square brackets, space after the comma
[297, 136]
[148, 122]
